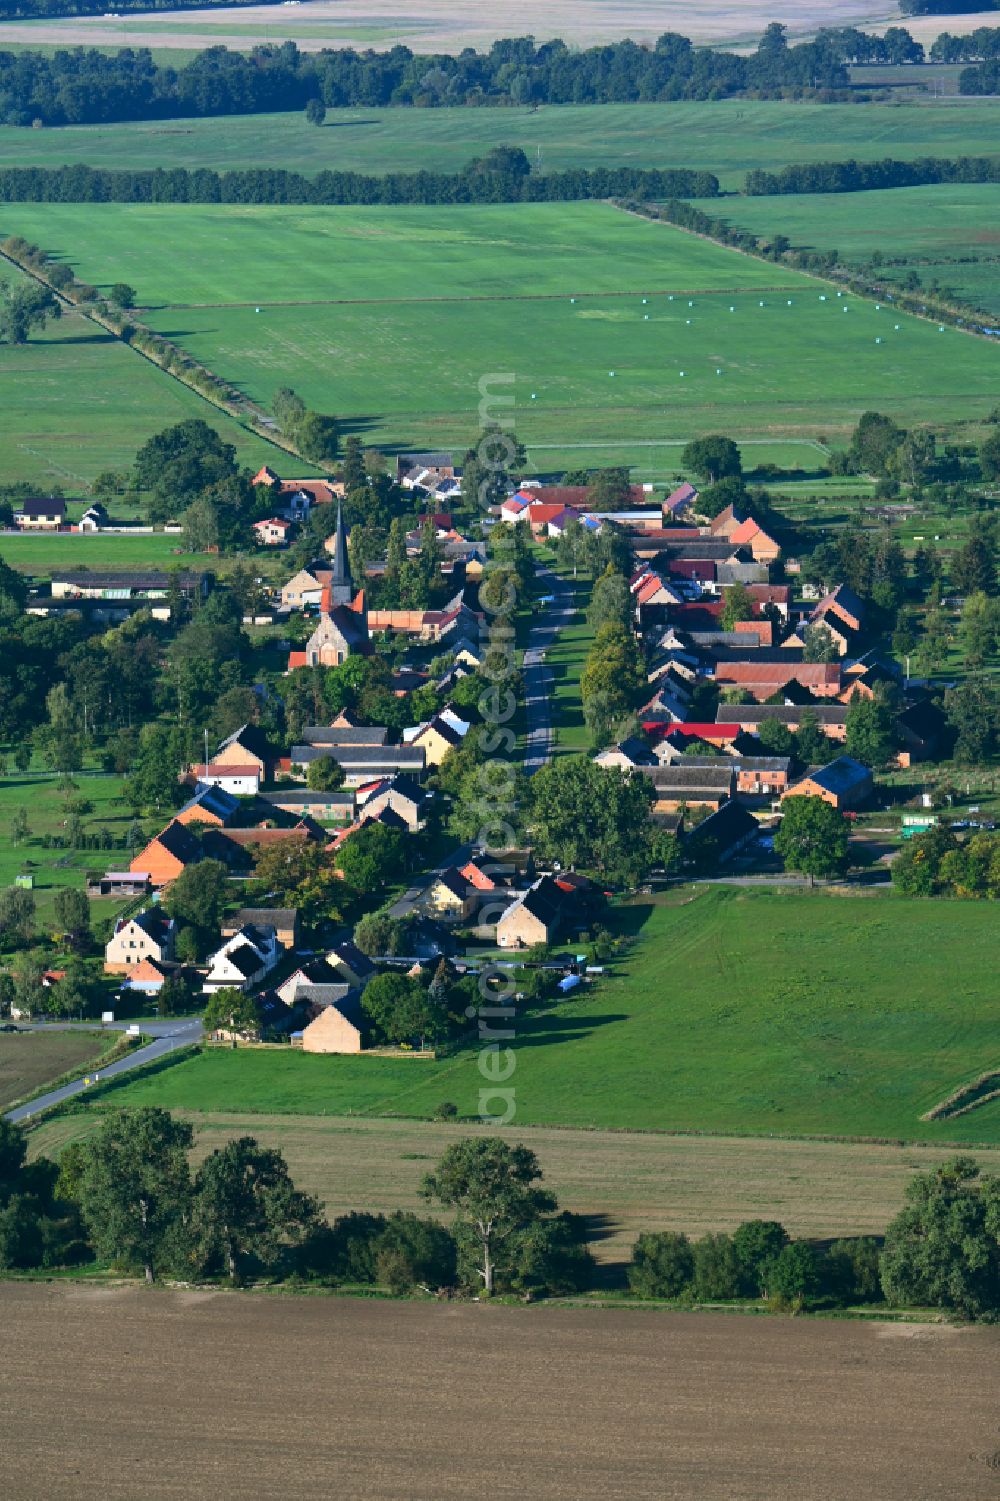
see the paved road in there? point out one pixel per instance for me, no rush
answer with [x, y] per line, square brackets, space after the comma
[537, 677]
[167, 1036]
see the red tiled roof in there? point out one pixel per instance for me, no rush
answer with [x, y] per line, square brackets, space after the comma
[746, 531]
[296, 659]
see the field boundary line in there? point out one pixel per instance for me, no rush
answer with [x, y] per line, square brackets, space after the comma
[817, 276]
[92, 317]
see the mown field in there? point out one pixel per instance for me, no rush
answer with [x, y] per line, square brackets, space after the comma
[949, 233]
[746, 1012]
[43, 555]
[624, 1182]
[29, 1060]
[392, 317]
[433, 1402]
[77, 401]
[727, 137]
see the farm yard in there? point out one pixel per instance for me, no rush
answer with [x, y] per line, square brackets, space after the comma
[736, 1011]
[357, 305]
[646, 1405]
[728, 137]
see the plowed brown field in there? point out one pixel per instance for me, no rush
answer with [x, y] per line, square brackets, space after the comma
[128, 1395]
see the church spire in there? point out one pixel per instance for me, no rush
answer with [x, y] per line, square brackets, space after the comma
[341, 587]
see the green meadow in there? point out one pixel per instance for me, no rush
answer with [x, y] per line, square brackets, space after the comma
[38, 794]
[76, 401]
[753, 1013]
[392, 317]
[949, 232]
[727, 137]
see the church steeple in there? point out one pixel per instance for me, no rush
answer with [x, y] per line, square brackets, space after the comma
[341, 587]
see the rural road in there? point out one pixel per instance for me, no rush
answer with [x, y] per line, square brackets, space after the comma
[167, 1036]
[537, 677]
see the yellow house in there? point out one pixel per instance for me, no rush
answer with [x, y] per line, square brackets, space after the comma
[450, 897]
[338, 1029]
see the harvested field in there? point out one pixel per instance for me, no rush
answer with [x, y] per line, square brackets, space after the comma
[624, 1182]
[29, 1060]
[412, 1402]
[443, 25]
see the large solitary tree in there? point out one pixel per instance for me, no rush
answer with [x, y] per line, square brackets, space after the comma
[246, 1208]
[812, 838]
[492, 1186]
[23, 309]
[943, 1248]
[712, 458]
[135, 1188]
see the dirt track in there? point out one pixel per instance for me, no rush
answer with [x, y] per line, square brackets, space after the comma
[171, 1396]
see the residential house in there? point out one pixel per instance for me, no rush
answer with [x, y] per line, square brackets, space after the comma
[679, 501]
[539, 915]
[349, 964]
[843, 604]
[237, 847]
[244, 959]
[284, 921]
[762, 776]
[273, 531]
[148, 935]
[305, 587]
[150, 975]
[450, 897]
[438, 735]
[627, 754]
[720, 836]
[41, 515]
[421, 470]
[400, 794]
[211, 804]
[246, 746]
[843, 783]
[340, 1027]
[94, 519]
[166, 855]
[234, 779]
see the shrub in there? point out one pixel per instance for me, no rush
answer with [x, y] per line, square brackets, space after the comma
[716, 1268]
[662, 1265]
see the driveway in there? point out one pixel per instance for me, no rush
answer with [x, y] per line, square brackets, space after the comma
[550, 620]
[167, 1037]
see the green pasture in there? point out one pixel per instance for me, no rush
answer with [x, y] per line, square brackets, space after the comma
[727, 137]
[949, 232]
[350, 317]
[77, 401]
[176, 255]
[42, 555]
[736, 1011]
[37, 792]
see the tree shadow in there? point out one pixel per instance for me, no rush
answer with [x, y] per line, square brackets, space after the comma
[549, 1028]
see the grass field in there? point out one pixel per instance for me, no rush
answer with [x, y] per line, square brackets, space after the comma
[350, 317]
[625, 1182]
[37, 793]
[727, 137]
[438, 1402]
[737, 1011]
[950, 232]
[43, 555]
[30, 1060]
[76, 401]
